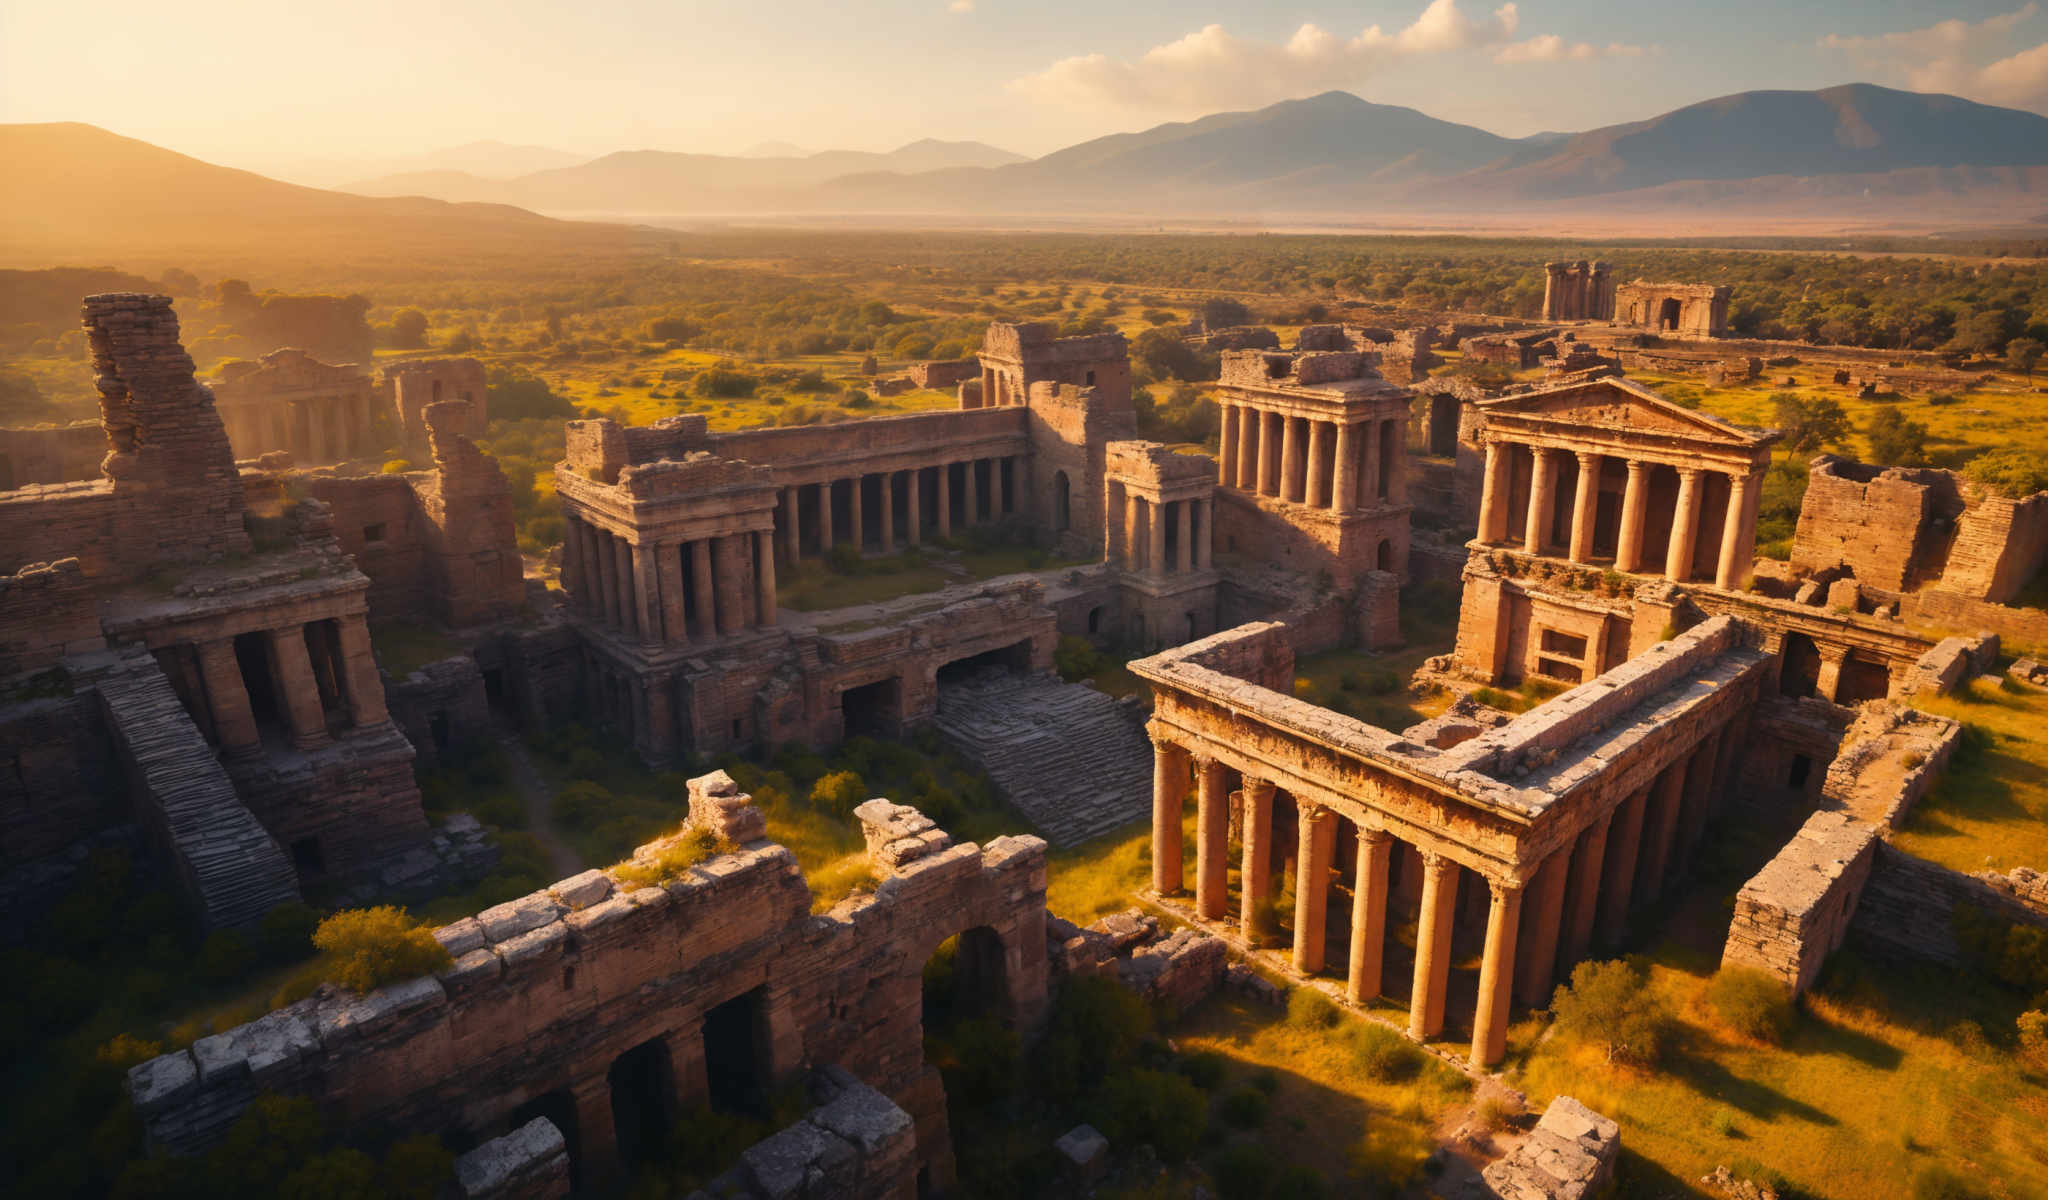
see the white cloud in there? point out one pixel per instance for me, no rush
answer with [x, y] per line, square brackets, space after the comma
[1549, 47]
[961, 6]
[1213, 68]
[1962, 57]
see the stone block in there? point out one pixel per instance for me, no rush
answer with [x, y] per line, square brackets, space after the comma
[515, 917]
[1083, 1151]
[582, 891]
[162, 1081]
[461, 937]
[530, 1163]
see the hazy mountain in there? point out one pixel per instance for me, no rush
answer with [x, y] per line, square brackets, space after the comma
[774, 150]
[77, 192]
[492, 160]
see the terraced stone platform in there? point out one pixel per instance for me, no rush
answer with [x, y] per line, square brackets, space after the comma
[1067, 756]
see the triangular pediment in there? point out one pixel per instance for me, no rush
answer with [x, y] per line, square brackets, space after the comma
[1618, 404]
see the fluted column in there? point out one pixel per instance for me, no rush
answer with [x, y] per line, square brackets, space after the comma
[1317, 492]
[1624, 842]
[1169, 792]
[1212, 839]
[1395, 468]
[1134, 552]
[706, 590]
[825, 517]
[604, 584]
[1255, 872]
[1184, 519]
[1543, 922]
[1269, 454]
[888, 495]
[1369, 480]
[1155, 537]
[291, 673]
[1685, 526]
[1587, 860]
[1635, 511]
[1318, 845]
[1496, 972]
[1734, 568]
[629, 591]
[1344, 487]
[1585, 507]
[1493, 495]
[914, 499]
[1542, 500]
[857, 534]
[1249, 420]
[572, 561]
[974, 491]
[1226, 446]
[764, 579]
[647, 592]
[1292, 458]
[675, 624]
[1433, 945]
[1369, 914]
[729, 581]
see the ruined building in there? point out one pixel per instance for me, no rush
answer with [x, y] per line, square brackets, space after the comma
[1577, 291]
[1687, 310]
[1903, 529]
[190, 665]
[290, 401]
[421, 383]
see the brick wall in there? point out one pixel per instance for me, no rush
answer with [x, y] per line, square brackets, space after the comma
[51, 454]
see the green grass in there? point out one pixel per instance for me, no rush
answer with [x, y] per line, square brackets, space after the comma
[403, 648]
[1990, 807]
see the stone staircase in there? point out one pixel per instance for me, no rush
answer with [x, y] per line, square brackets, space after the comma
[225, 858]
[1067, 756]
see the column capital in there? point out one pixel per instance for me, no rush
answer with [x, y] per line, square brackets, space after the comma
[1503, 888]
[1252, 784]
[1312, 813]
[1437, 863]
[1588, 457]
[1640, 466]
[1372, 835]
[1691, 474]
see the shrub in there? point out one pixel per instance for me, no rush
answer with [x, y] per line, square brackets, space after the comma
[581, 804]
[979, 1061]
[1243, 1109]
[414, 1168]
[1096, 1025]
[2009, 471]
[1610, 1004]
[367, 948]
[1157, 1108]
[1076, 658]
[224, 955]
[693, 847]
[1308, 1008]
[839, 793]
[1496, 1112]
[1722, 1122]
[724, 383]
[1753, 1003]
[345, 1174]
[1385, 1055]
[2033, 1039]
[1266, 1080]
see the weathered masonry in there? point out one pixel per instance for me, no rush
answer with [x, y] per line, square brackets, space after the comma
[1694, 310]
[1578, 291]
[1530, 843]
[292, 402]
[610, 1009]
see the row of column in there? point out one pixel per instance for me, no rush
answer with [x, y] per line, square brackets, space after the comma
[1578, 893]
[1337, 465]
[314, 430]
[1738, 535]
[1160, 537]
[344, 668]
[674, 592]
[979, 504]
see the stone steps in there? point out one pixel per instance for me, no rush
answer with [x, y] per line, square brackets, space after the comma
[1068, 757]
[225, 856]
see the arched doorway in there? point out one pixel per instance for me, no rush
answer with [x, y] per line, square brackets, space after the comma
[1060, 501]
[1667, 314]
[1383, 558]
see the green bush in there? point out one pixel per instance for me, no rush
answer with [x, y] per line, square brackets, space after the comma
[2032, 1030]
[582, 804]
[1243, 1109]
[367, 948]
[2008, 471]
[1204, 1068]
[1096, 1026]
[1753, 1003]
[839, 793]
[1076, 658]
[1384, 1055]
[1611, 1005]
[1308, 1008]
[1156, 1108]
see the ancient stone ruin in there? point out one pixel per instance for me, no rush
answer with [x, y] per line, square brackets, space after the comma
[1687, 310]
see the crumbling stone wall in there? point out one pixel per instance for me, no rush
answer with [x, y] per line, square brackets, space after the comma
[1909, 905]
[1570, 1155]
[1902, 529]
[944, 373]
[47, 611]
[290, 401]
[1697, 310]
[1795, 912]
[420, 383]
[50, 454]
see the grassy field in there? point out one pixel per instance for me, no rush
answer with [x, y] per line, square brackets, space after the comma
[1989, 810]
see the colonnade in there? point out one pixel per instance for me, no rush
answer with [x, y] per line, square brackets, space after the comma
[677, 592]
[310, 667]
[1536, 927]
[1737, 547]
[1336, 465]
[1161, 537]
[980, 501]
[312, 429]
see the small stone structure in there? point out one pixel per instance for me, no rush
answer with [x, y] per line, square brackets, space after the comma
[1570, 1155]
[944, 373]
[529, 1163]
[291, 402]
[1687, 310]
[1795, 912]
[721, 977]
[1904, 529]
[1578, 291]
[416, 385]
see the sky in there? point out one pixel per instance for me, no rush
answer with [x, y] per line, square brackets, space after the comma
[330, 89]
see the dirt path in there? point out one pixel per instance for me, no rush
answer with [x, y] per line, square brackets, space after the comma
[539, 797]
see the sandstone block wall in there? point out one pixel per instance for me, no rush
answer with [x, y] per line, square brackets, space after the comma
[2000, 544]
[856, 1144]
[1908, 907]
[530, 1163]
[1795, 912]
[57, 772]
[418, 384]
[441, 707]
[47, 610]
[50, 454]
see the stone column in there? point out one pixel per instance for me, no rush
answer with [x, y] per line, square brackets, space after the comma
[1685, 524]
[857, 533]
[1249, 421]
[974, 491]
[572, 561]
[1212, 839]
[1344, 489]
[1587, 860]
[1585, 507]
[1624, 842]
[1544, 917]
[1369, 914]
[1369, 483]
[913, 498]
[764, 580]
[1542, 500]
[1293, 466]
[1226, 446]
[1392, 441]
[888, 482]
[359, 667]
[601, 578]
[1169, 792]
[1255, 871]
[1184, 515]
[730, 574]
[1433, 945]
[1635, 504]
[647, 587]
[1205, 533]
[705, 587]
[1667, 797]
[825, 517]
[1493, 494]
[1155, 537]
[1134, 553]
[1496, 970]
[1269, 454]
[945, 500]
[675, 625]
[1318, 845]
[1733, 570]
[291, 673]
[1317, 492]
[629, 586]
[792, 533]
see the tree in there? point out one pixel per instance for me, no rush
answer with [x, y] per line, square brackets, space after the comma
[1983, 332]
[2023, 354]
[1611, 1005]
[1222, 312]
[675, 329]
[1810, 423]
[370, 947]
[409, 329]
[1895, 439]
